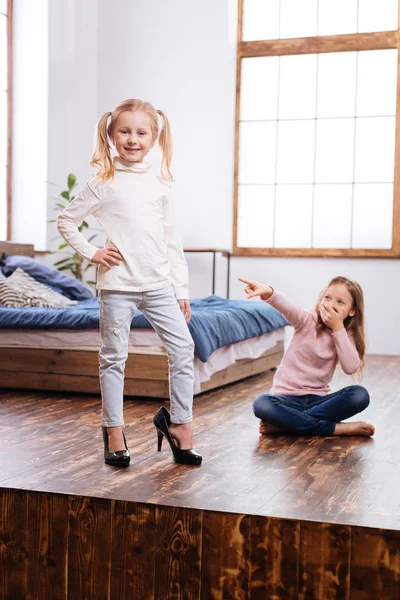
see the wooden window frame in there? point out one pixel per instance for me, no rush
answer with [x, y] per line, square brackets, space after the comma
[318, 45]
[9, 118]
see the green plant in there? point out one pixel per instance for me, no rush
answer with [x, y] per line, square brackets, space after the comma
[73, 262]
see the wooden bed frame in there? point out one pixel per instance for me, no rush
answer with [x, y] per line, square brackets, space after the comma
[76, 369]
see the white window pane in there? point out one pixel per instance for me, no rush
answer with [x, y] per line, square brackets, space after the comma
[337, 84]
[377, 16]
[296, 151]
[335, 151]
[260, 20]
[259, 88]
[3, 203]
[376, 82]
[256, 216]
[298, 19]
[257, 152]
[293, 216]
[332, 216]
[297, 86]
[373, 216]
[3, 128]
[337, 17]
[3, 53]
[374, 149]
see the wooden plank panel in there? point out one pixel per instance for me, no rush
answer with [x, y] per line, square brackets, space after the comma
[275, 547]
[313, 45]
[13, 544]
[89, 548]
[225, 556]
[79, 383]
[15, 248]
[47, 546]
[324, 561]
[133, 551]
[304, 252]
[79, 362]
[375, 564]
[178, 553]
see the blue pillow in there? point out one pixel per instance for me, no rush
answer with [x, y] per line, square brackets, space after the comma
[68, 286]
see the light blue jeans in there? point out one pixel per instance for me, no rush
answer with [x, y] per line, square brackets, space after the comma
[162, 310]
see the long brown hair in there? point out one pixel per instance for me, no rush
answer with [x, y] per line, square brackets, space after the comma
[354, 325]
[101, 158]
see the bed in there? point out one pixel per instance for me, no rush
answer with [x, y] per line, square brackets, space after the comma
[56, 349]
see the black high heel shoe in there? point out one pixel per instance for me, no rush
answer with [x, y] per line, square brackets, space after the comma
[162, 421]
[119, 458]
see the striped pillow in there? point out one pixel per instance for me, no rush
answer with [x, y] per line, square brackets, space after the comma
[21, 290]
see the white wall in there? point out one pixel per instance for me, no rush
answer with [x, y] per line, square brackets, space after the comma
[73, 106]
[180, 55]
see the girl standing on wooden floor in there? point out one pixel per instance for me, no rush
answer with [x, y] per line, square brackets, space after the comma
[142, 266]
[299, 401]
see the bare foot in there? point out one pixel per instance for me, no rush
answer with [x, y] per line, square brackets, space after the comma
[183, 435]
[115, 439]
[356, 428]
[266, 428]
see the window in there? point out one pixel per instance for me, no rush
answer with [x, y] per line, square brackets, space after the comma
[5, 120]
[316, 165]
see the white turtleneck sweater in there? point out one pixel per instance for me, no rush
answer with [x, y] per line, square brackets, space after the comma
[136, 211]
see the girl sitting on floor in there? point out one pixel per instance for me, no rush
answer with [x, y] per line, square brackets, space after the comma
[299, 401]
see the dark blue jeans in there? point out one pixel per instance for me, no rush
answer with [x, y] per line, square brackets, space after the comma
[311, 414]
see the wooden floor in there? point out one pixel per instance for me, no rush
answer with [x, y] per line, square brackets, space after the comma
[316, 497]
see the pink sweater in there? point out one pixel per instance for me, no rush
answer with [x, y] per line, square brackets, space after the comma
[310, 359]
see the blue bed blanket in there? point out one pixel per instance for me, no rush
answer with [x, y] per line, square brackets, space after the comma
[215, 321]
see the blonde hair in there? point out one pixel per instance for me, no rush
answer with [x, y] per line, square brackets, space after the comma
[101, 158]
[354, 324]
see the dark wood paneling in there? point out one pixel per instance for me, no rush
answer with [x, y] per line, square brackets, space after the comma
[375, 564]
[225, 557]
[324, 561]
[275, 545]
[47, 546]
[13, 544]
[111, 549]
[89, 548]
[178, 553]
[133, 551]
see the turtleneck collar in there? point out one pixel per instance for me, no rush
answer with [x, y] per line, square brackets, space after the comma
[137, 167]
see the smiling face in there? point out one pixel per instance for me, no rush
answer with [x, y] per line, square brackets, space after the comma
[133, 136]
[337, 297]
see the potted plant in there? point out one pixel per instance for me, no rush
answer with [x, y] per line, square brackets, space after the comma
[73, 262]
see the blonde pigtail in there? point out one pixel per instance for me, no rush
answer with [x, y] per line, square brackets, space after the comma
[101, 158]
[165, 141]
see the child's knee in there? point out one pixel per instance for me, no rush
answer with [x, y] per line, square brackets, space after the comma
[360, 398]
[260, 406]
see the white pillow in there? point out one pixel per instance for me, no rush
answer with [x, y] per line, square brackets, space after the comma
[20, 290]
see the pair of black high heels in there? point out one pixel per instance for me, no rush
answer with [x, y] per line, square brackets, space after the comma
[162, 422]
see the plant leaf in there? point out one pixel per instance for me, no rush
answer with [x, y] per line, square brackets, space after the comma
[65, 195]
[65, 268]
[92, 237]
[62, 261]
[62, 246]
[71, 181]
